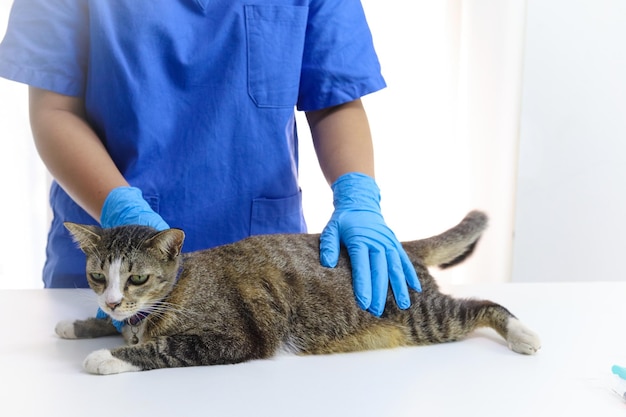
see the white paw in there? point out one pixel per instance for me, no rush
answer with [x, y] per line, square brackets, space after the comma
[101, 362]
[65, 329]
[521, 339]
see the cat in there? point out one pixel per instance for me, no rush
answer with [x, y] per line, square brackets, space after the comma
[261, 296]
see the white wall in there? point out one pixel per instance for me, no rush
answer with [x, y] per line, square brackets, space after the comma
[23, 207]
[445, 133]
[571, 202]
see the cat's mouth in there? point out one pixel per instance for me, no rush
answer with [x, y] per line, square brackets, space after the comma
[115, 315]
[129, 317]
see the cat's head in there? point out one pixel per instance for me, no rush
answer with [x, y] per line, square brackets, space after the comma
[131, 268]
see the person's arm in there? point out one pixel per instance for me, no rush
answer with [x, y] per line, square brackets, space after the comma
[343, 143]
[342, 139]
[79, 162]
[71, 150]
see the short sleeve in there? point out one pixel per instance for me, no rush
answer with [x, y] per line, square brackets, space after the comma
[339, 63]
[46, 45]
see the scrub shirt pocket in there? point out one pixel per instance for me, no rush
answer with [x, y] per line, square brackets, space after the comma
[275, 43]
[277, 215]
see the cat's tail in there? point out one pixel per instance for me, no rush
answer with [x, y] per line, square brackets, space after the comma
[452, 246]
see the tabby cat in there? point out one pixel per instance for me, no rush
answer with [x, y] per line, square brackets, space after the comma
[260, 296]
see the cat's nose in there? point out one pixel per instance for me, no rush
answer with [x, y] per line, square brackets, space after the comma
[113, 305]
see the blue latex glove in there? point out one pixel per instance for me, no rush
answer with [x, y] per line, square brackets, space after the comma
[376, 255]
[125, 205]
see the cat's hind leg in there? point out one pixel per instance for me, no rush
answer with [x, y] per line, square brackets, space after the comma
[483, 313]
[520, 338]
[440, 319]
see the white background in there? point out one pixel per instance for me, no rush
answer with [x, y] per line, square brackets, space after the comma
[23, 186]
[571, 201]
[446, 136]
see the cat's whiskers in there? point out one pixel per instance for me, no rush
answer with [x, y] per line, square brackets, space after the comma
[180, 313]
[161, 308]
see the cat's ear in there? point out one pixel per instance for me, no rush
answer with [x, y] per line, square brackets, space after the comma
[169, 242]
[86, 236]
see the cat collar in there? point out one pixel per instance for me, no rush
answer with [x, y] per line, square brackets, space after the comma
[137, 318]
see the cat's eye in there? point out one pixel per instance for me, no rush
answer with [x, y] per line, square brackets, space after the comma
[138, 279]
[98, 277]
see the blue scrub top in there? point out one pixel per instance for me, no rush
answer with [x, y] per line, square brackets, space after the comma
[194, 100]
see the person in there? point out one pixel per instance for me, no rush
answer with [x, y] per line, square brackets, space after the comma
[181, 113]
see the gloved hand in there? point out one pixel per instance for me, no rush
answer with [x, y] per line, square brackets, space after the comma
[376, 255]
[125, 205]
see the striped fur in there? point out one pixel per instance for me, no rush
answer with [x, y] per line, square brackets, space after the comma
[264, 295]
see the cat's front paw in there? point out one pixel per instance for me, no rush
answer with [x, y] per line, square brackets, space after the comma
[65, 329]
[521, 339]
[102, 362]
